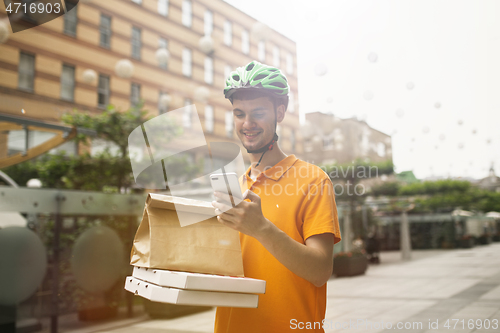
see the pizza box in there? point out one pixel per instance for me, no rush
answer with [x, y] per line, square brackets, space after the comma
[198, 281]
[189, 297]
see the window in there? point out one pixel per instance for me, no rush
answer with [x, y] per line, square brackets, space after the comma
[291, 102]
[163, 44]
[208, 22]
[26, 72]
[293, 140]
[68, 83]
[228, 33]
[381, 151]
[186, 62]
[209, 70]
[227, 71]
[289, 63]
[209, 119]
[103, 91]
[245, 42]
[135, 94]
[105, 30]
[162, 107]
[276, 56]
[229, 124]
[328, 143]
[163, 7]
[136, 43]
[187, 15]
[70, 22]
[186, 117]
[261, 51]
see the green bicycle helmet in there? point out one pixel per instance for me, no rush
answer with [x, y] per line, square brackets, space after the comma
[269, 80]
[258, 76]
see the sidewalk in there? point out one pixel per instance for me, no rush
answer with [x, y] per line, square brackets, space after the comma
[435, 285]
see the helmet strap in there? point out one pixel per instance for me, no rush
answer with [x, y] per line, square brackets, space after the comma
[264, 149]
[268, 146]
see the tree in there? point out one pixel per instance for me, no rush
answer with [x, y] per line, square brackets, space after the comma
[105, 171]
[347, 177]
[443, 196]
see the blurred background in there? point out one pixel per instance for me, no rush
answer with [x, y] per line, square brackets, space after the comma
[395, 100]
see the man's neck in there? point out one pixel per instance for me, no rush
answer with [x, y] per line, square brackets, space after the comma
[270, 159]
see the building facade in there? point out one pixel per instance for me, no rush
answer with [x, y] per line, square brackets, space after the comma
[70, 62]
[332, 140]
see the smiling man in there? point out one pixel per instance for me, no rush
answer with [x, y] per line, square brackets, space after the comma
[288, 223]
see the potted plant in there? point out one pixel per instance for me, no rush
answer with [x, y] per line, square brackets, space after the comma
[350, 263]
[466, 242]
[484, 239]
[496, 237]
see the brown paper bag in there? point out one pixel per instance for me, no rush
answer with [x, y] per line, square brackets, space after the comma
[205, 247]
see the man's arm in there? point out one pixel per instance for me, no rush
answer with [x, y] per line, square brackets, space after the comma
[312, 261]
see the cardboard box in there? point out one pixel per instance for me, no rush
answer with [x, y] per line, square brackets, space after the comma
[196, 281]
[190, 297]
[204, 247]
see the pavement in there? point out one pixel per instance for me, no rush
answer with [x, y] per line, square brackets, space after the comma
[438, 291]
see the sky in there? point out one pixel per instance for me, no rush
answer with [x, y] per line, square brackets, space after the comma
[359, 58]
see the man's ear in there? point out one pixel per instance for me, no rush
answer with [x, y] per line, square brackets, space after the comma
[280, 113]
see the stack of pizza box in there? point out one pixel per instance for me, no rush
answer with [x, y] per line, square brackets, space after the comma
[195, 288]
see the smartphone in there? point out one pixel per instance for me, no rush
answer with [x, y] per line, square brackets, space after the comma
[227, 183]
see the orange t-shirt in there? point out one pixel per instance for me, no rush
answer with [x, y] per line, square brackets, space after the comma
[298, 198]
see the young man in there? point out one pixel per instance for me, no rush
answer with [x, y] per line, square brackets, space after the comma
[288, 224]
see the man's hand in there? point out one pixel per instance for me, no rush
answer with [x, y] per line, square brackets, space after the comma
[246, 217]
[312, 261]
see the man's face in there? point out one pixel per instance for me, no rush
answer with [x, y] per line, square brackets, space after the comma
[254, 121]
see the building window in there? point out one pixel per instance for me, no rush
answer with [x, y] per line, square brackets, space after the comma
[136, 43]
[227, 71]
[209, 70]
[293, 141]
[162, 107]
[70, 22]
[209, 119]
[261, 51]
[163, 7]
[187, 15]
[105, 30]
[103, 91]
[186, 117]
[291, 102]
[209, 22]
[135, 94]
[289, 63]
[328, 143]
[26, 72]
[228, 33]
[276, 56]
[163, 44]
[68, 83]
[186, 62]
[229, 124]
[245, 42]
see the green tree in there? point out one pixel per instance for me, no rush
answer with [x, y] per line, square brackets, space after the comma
[346, 177]
[105, 171]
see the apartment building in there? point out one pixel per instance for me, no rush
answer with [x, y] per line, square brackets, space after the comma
[71, 62]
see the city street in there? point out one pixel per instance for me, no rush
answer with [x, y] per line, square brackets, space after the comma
[436, 285]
